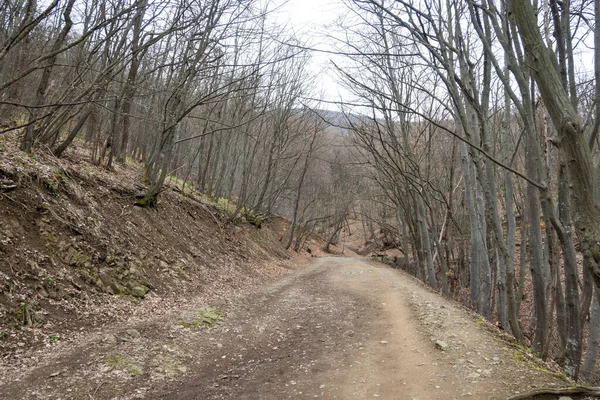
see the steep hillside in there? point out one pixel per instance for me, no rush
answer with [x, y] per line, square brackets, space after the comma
[75, 252]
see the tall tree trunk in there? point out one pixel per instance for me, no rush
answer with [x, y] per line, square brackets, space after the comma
[404, 232]
[425, 241]
[512, 311]
[299, 189]
[477, 250]
[535, 246]
[588, 370]
[573, 320]
[523, 258]
[571, 142]
[40, 95]
[131, 81]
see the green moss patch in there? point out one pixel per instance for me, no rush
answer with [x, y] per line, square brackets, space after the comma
[203, 317]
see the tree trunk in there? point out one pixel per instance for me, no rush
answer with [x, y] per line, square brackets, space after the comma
[572, 144]
[573, 319]
[535, 247]
[588, 370]
[477, 250]
[28, 140]
[299, 189]
[131, 81]
[512, 311]
[523, 256]
[63, 146]
[426, 241]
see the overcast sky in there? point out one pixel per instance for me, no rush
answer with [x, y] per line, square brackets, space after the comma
[307, 14]
[313, 20]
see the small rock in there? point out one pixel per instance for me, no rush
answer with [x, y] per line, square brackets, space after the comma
[54, 374]
[139, 291]
[441, 344]
[473, 375]
[128, 336]
[133, 333]
[109, 339]
[384, 342]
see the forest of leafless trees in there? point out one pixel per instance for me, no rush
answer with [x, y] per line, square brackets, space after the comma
[468, 140]
[209, 92]
[482, 148]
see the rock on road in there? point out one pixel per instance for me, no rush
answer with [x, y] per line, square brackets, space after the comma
[341, 328]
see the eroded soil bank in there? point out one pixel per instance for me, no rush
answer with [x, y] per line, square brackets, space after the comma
[76, 254]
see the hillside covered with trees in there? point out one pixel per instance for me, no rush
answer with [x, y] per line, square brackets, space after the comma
[465, 150]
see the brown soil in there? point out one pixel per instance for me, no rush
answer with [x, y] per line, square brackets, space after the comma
[75, 251]
[341, 328]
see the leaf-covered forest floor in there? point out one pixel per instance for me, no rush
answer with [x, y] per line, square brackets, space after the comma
[76, 254]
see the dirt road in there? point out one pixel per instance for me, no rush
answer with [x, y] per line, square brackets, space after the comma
[342, 328]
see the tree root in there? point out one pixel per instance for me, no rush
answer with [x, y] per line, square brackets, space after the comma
[578, 390]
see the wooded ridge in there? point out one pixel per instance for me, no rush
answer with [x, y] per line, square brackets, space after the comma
[465, 147]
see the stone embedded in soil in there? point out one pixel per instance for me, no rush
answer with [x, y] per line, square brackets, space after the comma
[133, 333]
[118, 288]
[440, 344]
[129, 335]
[105, 282]
[109, 339]
[139, 290]
[165, 367]
[74, 258]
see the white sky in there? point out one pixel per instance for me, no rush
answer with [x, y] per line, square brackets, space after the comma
[313, 20]
[309, 13]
